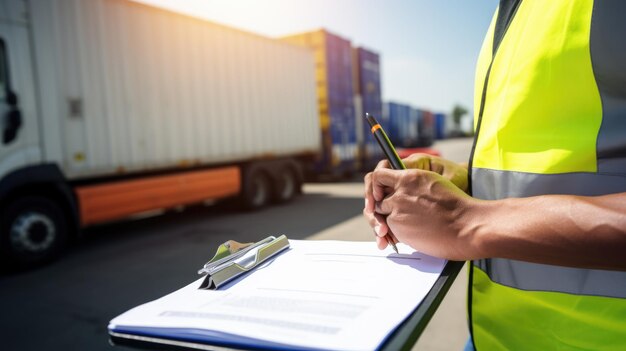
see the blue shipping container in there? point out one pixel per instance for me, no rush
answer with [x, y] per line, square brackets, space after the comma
[401, 124]
[367, 86]
[340, 158]
[333, 60]
[440, 126]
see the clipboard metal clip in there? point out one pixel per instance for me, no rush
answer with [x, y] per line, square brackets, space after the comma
[233, 259]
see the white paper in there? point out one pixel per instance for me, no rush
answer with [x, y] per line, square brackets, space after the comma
[317, 295]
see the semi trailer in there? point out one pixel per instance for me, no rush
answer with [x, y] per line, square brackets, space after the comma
[111, 108]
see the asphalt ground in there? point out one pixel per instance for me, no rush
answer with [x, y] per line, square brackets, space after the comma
[67, 305]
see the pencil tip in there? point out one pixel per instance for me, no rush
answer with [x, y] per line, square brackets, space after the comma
[395, 248]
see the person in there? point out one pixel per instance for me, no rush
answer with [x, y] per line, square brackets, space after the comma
[540, 210]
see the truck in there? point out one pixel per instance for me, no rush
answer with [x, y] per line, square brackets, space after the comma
[111, 108]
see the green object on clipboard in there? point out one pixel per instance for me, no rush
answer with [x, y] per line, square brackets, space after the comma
[233, 259]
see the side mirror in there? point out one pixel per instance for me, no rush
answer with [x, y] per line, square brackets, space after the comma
[13, 118]
[13, 124]
[11, 98]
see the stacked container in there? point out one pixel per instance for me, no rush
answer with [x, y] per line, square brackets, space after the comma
[367, 99]
[401, 124]
[440, 126]
[426, 127]
[333, 67]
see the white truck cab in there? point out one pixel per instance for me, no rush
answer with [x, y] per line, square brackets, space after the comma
[34, 222]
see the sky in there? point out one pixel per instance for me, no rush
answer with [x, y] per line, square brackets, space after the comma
[428, 48]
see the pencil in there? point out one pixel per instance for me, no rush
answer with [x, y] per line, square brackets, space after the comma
[390, 153]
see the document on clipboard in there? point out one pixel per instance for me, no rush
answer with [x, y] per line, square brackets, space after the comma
[307, 295]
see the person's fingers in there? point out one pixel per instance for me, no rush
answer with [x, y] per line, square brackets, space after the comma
[380, 225]
[383, 164]
[384, 207]
[437, 167]
[423, 163]
[386, 177]
[369, 197]
[381, 229]
[378, 193]
[377, 222]
[418, 161]
[382, 179]
[381, 243]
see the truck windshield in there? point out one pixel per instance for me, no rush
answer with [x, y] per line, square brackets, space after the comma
[4, 84]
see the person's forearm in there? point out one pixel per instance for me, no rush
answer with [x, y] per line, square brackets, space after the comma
[575, 231]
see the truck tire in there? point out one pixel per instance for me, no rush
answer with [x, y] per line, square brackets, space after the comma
[33, 231]
[287, 185]
[257, 189]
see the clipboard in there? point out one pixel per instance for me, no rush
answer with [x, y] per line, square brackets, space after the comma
[217, 336]
[233, 259]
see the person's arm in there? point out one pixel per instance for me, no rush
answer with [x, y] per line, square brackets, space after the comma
[429, 213]
[578, 231]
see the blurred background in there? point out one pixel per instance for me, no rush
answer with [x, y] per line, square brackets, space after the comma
[139, 135]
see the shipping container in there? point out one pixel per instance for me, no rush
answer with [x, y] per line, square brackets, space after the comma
[440, 126]
[368, 99]
[402, 125]
[426, 127]
[117, 107]
[335, 93]
[460, 129]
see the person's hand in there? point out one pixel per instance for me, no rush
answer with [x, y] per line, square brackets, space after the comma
[376, 221]
[424, 210]
[454, 172]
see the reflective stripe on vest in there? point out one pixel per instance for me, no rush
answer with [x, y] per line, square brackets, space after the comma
[551, 105]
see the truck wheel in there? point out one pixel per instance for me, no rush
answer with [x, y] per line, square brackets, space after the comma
[287, 185]
[33, 231]
[257, 190]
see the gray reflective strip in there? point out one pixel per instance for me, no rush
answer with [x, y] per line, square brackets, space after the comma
[541, 277]
[492, 185]
[608, 57]
[613, 165]
[489, 184]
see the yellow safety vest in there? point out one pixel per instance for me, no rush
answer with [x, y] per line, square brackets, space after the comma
[550, 119]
